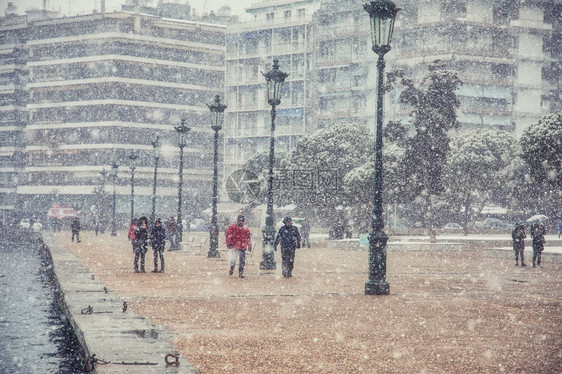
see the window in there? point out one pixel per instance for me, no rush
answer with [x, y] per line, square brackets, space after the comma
[503, 70]
[287, 14]
[270, 16]
[453, 10]
[301, 12]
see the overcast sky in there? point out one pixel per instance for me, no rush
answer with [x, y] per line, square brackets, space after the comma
[70, 7]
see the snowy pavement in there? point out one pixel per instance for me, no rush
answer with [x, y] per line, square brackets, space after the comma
[449, 311]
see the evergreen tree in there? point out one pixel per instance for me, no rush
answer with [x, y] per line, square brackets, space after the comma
[541, 146]
[475, 169]
[434, 114]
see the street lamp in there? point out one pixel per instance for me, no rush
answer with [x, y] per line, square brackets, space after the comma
[133, 164]
[156, 149]
[274, 80]
[382, 14]
[114, 167]
[182, 131]
[103, 173]
[101, 202]
[217, 119]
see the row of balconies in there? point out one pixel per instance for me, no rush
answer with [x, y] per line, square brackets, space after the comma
[263, 51]
[296, 128]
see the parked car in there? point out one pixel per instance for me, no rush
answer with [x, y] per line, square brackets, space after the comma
[37, 226]
[452, 226]
[496, 224]
[25, 223]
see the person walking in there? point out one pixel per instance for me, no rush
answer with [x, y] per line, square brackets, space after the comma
[537, 232]
[75, 228]
[171, 228]
[305, 227]
[559, 228]
[140, 244]
[290, 239]
[158, 241]
[518, 236]
[96, 224]
[238, 240]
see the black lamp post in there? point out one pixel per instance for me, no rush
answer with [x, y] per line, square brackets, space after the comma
[114, 167]
[274, 79]
[182, 131]
[133, 164]
[103, 173]
[217, 118]
[156, 148]
[101, 201]
[382, 14]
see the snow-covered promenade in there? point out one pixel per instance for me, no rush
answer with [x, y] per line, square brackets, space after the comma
[468, 310]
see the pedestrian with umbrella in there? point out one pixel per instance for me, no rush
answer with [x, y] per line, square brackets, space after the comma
[537, 233]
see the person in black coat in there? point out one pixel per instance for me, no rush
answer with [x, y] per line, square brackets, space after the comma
[140, 243]
[290, 239]
[75, 228]
[518, 236]
[537, 233]
[158, 241]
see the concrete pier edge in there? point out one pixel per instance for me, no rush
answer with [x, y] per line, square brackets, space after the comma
[122, 341]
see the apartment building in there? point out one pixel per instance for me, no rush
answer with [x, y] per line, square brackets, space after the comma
[101, 86]
[276, 30]
[508, 55]
[344, 71]
[13, 96]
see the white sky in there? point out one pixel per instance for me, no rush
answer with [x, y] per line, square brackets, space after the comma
[70, 7]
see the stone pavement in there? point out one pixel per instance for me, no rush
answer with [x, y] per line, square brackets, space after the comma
[450, 310]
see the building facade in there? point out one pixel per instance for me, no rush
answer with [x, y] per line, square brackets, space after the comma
[13, 98]
[90, 90]
[507, 54]
[277, 30]
[79, 93]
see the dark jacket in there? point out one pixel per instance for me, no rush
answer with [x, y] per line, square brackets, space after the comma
[158, 237]
[518, 235]
[75, 225]
[140, 242]
[171, 226]
[538, 232]
[289, 238]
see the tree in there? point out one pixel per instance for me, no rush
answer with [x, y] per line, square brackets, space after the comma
[434, 114]
[259, 164]
[475, 168]
[359, 182]
[314, 172]
[541, 146]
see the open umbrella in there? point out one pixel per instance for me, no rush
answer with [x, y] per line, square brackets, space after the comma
[537, 218]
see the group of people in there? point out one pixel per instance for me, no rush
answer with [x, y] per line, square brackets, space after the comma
[518, 235]
[239, 240]
[139, 235]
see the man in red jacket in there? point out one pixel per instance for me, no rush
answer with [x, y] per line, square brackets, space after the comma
[238, 239]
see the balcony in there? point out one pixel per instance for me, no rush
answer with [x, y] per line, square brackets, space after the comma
[263, 24]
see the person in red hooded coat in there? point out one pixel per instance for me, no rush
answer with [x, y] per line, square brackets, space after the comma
[238, 240]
